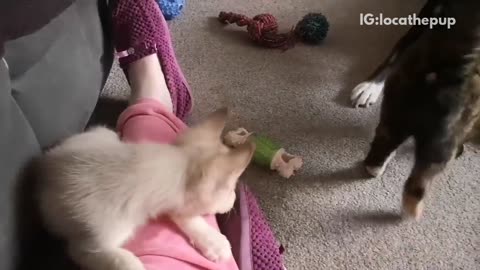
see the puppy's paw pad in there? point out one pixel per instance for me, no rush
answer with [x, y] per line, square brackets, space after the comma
[215, 247]
[366, 93]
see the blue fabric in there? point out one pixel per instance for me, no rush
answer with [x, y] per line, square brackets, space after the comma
[171, 8]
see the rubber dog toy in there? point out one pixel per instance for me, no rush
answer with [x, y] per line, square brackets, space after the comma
[263, 29]
[171, 8]
[267, 154]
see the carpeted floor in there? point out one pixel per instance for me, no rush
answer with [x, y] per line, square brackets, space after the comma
[328, 216]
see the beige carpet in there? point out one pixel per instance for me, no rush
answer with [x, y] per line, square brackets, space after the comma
[327, 217]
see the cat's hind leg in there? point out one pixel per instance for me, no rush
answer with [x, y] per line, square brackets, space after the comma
[432, 155]
[387, 138]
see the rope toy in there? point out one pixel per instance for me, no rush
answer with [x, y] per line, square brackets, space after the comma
[263, 29]
[267, 154]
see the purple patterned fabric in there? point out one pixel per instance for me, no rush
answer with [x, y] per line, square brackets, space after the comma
[253, 242]
[139, 29]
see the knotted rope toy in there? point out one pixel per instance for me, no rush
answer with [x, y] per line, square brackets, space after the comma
[267, 153]
[263, 29]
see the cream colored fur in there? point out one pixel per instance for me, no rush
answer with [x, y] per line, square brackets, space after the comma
[96, 190]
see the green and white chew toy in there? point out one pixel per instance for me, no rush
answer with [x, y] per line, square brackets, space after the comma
[267, 154]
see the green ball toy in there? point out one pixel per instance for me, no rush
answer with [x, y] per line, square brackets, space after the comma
[313, 28]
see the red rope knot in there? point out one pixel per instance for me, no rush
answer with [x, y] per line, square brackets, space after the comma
[261, 25]
[261, 29]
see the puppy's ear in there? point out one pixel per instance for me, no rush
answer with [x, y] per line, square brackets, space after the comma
[215, 122]
[220, 172]
[208, 130]
[236, 160]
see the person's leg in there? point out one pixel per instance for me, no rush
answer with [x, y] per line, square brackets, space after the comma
[140, 29]
[147, 81]
[149, 116]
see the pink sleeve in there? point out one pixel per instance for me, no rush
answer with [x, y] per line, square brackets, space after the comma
[149, 120]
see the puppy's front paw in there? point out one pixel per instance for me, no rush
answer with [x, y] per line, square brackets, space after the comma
[366, 93]
[214, 246]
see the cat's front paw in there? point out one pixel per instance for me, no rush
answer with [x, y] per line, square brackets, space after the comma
[214, 246]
